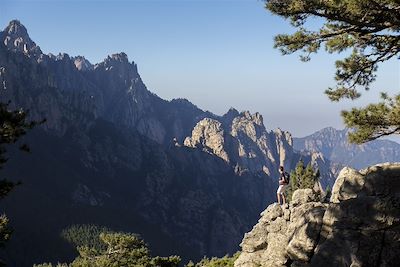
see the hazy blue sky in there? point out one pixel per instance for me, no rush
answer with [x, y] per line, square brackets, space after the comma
[218, 54]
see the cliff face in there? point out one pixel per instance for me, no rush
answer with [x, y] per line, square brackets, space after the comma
[359, 226]
[242, 141]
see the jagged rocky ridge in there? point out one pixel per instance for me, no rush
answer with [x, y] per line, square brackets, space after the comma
[334, 145]
[242, 140]
[359, 226]
[70, 90]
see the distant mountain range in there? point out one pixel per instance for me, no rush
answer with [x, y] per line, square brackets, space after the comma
[114, 154]
[333, 144]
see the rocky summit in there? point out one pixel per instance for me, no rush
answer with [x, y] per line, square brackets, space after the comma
[242, 141]
[15, 37]
[358, 226]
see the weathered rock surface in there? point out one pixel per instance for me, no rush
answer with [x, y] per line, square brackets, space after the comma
[242, 140]
[15, 37]
[82, 64]
[360, 226]
[209, 135]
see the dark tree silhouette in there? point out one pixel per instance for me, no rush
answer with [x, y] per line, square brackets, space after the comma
[13, 125]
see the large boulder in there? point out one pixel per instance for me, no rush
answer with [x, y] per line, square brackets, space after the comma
[348, 184]
[266, 243]
[360, 226]
[208, 134]
[305, 237]
[302, 196]
[280, 228]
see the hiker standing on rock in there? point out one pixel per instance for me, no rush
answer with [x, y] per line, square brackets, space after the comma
[283, 182]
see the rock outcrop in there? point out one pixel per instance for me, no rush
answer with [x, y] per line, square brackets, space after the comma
[242, 140]
[359, 226]
[82, 64]
[15, 37]
[209, 135]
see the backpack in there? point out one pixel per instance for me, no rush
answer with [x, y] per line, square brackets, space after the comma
[286, 176]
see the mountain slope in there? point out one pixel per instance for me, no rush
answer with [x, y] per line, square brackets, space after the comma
[104, 157]
[59, 87]
[120, 179]
[334, 146]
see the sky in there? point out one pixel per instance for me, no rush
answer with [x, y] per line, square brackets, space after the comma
[216, 53]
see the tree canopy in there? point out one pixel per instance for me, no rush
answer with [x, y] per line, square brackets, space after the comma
[226, 261]
[120, 249]
[302, 177]
[371, 30]
[13, 125]
[80, 235]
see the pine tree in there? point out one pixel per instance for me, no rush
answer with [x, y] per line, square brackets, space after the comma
[302, 177]
[226, 261]
[80, 235]
[295, 179]
[328, 192]
[121, 249]
[375, 120]
[371, 30]
[309, 177]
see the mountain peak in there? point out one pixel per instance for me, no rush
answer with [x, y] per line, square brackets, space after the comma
[15, 27]
[330, 129]
[331, 133]
[230, 115]
[82, 64]
[121, 57]
[15, 37]
[256, 117]
[119, 61]
[232, 112]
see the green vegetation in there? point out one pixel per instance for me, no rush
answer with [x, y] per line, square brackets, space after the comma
[375, 120]
[13, 126]
[120, 249]
[100, 247]
[328, 192]
[225, 261]
[302, 177]
[371, 30]
[85, 235]
[5, 231]
[50, 265]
